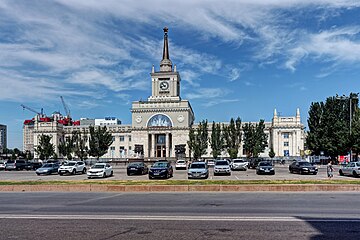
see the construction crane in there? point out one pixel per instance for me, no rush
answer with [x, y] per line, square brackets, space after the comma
[32, 110]
[67, 111]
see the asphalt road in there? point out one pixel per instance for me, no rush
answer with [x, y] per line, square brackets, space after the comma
[282, 173]
[90, 216]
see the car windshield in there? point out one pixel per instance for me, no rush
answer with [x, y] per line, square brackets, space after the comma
[134, 164]
[304, 164]
[99, 166]
[221, 163]
[197, 165]
[10, 161]
[265, 164]
[238, 161]
[70, 164]
[180, 161]
[160, 164]
[47, 165]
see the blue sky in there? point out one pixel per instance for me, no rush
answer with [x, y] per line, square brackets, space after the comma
[236, 58]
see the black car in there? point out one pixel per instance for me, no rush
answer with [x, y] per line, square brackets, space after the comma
[161, 169]
[303, 167]
[265, 168]
[254, 162]
[137, 168]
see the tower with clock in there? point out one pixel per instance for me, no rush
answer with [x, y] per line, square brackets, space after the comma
[164, 120]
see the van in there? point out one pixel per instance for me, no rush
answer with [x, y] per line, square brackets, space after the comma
[15, 165]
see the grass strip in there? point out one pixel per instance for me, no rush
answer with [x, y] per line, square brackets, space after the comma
[180, 182]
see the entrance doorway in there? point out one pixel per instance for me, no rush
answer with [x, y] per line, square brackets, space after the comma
[160, 145]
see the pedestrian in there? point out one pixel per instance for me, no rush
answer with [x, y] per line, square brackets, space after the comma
[330, 170]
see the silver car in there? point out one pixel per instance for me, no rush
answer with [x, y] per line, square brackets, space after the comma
[198, 170]
[222, 167]
[352, 169]
[239, 164]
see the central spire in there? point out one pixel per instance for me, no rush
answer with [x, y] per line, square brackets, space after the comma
[166, 64]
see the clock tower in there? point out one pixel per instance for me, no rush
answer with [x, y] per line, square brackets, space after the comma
[165, 83]
[163, 121]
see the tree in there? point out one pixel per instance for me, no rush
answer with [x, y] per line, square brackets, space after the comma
[99, 142]
[45, 149]
[66, 147]
[255, 138]
[198, 140]
[80, 148]
[329, 127]
[232, 137]
[216, 140]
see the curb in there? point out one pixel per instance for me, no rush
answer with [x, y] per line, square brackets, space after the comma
[182, 188]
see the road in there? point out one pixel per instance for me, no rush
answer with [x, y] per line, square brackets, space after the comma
[282, 173]
[272, 215]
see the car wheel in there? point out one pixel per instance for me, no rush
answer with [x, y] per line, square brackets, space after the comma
[84, 171]
[291, 171]
[60, 174]
[38, 174]
[341, 172]
[112, 173]
[355, 174]
[104, 175]
[150, 177]
[73, 172]
[89, 177]
[301, 172]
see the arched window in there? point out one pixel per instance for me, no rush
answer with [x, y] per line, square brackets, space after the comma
[159, 120]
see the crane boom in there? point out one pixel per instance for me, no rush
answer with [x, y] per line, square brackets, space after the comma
[67, 111]
[32, 110]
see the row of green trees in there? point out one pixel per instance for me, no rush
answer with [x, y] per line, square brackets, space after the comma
[334, 126]
[228, 138]
[76, 144]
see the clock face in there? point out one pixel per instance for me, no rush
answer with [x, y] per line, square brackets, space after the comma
[164, 85]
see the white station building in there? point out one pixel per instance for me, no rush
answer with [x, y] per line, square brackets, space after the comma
[163, 121]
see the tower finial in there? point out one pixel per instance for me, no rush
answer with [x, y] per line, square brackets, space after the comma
[166, 64]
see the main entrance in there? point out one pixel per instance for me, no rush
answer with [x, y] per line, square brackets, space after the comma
[160, 145]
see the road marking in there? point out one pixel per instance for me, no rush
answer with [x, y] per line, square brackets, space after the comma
[236, 177]
[173, 218]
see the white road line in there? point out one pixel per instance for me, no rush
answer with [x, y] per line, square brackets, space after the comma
[173, 218]
[236, 177]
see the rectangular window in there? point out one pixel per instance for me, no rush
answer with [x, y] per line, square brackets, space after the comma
[129, 138]
[286, 144]
[286, 135]
[112, 148]
[113, 139]
[286, 153]
[122, 138]
[129, 148]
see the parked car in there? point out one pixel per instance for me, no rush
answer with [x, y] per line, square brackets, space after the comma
[239, 164]
[254, 162]
[222, 167]
[265, 168]
[161, 169]
[137, 168]
[180, 164]
[100, 170]
[198, 170]
[15, 165]
[48, 168]
[36, 165]
[352, 169]
[2, 165]
[210, 162]
[72, 167]
[303, 167]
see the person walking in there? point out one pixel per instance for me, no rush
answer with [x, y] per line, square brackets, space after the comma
[330, 170]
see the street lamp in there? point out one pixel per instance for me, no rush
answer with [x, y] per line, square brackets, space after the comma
[351, 97]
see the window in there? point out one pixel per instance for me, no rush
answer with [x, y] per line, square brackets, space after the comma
[129, 147]
[113, 139]
[286, 153]
[112, 148]
[129, 138]
[286, 144]
[122, 138]
[286, 135]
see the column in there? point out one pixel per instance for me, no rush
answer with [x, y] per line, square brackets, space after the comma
[152, 147]
[167, 145]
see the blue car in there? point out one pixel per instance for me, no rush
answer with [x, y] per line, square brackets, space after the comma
[161, 169]
[48, 168]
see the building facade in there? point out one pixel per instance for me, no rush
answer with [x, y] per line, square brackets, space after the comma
[163, 121]
[3, 137]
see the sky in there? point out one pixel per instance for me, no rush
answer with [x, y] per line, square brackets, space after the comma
[241, 58]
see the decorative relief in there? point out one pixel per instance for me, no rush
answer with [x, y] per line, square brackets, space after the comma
[159, 120]
[180, 118]
[138, 119]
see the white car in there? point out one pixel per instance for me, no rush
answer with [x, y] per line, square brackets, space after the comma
[222, 167]
[210, 162]
[180, 164]
[352, 169]
[72, 167]
[239, 164]
[100, 170]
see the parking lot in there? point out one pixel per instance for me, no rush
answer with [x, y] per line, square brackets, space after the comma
[281, 173]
